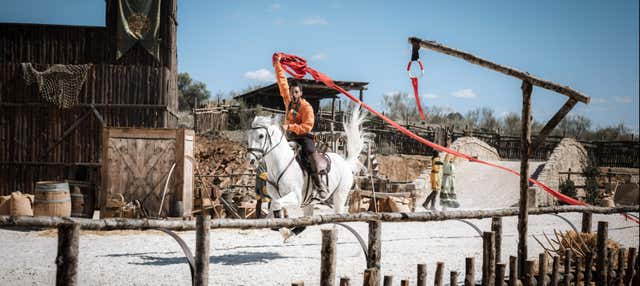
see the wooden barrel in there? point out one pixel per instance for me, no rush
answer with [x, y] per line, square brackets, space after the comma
[77, 202]
[52, 199]
[87, 198]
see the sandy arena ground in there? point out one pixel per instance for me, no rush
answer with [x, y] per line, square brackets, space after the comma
[258, 257]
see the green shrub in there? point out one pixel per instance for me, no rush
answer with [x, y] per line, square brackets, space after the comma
[591, 185]
[568, 188]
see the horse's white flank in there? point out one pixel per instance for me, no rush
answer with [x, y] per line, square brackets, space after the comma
[269, 143]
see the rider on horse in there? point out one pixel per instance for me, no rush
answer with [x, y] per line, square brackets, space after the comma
[299, 118]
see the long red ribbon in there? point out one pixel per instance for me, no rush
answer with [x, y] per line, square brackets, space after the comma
[414, 83]
[298, 68]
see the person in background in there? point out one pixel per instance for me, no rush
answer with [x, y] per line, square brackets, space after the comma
[436, 178]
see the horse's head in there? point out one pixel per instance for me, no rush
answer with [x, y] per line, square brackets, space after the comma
[263, 136]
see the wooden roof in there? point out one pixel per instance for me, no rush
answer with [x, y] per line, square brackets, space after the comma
[311, 89]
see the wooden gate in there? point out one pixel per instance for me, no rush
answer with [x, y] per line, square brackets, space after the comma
[137, 164]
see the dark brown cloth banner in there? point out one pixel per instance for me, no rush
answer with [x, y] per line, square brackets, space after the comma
[138, 22]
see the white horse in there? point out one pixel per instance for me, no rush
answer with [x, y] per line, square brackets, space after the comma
[268, 143]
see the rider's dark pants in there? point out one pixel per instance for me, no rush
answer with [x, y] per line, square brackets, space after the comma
[306, 142]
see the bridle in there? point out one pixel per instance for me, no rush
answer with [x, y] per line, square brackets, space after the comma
[266, 150]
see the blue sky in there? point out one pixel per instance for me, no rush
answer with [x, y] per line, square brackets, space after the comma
[592, 46]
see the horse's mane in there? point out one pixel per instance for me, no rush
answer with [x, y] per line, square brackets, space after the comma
[262, 121]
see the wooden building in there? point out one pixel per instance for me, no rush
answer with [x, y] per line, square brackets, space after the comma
[313, 91]
[39, 141]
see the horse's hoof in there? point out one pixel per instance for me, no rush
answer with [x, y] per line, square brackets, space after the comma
[286, 234]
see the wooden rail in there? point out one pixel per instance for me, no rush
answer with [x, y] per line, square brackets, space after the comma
[123, 223]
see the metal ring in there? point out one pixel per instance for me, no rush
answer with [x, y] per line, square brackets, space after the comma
[409, 69]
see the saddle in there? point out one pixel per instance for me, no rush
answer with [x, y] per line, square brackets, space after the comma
[320, 156]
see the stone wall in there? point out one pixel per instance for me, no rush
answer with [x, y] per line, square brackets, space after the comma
[476, 148]
[568, 154]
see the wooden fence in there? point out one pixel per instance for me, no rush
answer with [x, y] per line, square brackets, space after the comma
[493, 270]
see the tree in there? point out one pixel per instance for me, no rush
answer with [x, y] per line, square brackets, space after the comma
[189, 91]
[399, 107]
[511, 124]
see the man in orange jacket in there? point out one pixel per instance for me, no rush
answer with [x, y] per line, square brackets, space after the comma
[299, 118]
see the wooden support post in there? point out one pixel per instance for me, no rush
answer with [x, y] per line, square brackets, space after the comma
[586, 222]
[500, 270]
[513, 271]
[453, 278]
[422, 275]
[620, 270]
[579, 276]
[601, 254]
[67, 258]
[542, 268]
[361, 95]
[388, 280]
[555, 271]
[588, 262]
[203, 224]
[439, 272]
[552, 123]
[344, 281]
[529, 280]
[469, 272]
[404, 282]
[370, 277]
[298, 283]
[567, 267]
[375, 248]
[525, 141]
[328, 258]
[496, 228]
[631, 262]
[488, 258]
[610, 274]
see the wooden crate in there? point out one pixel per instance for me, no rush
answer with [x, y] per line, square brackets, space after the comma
[136, 163]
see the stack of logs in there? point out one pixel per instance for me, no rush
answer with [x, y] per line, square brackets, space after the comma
[224, 182]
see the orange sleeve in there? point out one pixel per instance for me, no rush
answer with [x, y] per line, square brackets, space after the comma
[307, 116]
[283, 85]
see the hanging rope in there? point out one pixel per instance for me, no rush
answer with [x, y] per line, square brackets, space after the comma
[297, 67]
[415, 57]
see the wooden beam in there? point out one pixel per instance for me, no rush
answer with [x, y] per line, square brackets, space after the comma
[67, 259]
[65, 134]
[432, 45]
[179, 225]
[525, 141]
[552, 123]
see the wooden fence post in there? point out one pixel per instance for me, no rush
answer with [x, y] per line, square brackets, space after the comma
[67, 258]
[601, 255]
[567, 267]
[542, 269]
[370, 277]
[203, 224]
[588, 263]
[513, 271]
[404, 282]
[375, 249]
[496, 228]
[586, 222]
[439, 272]
[631, 262]
[469, 272]
[344, 281]
[610, 274]
[525, 142]
[620, 270]
[555, 271]
[388, 280]
[488, 258]
[328, 258]
[500, 269]
[298, 283]
[528, 273]
[453, 278]
[578, 276]
[422, 275]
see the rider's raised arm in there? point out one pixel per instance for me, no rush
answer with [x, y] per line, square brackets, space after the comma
[283, 85]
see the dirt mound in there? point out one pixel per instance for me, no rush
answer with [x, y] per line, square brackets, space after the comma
[220, 156]
[402, 168]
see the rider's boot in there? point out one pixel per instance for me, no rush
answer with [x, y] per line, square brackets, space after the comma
[323, 193]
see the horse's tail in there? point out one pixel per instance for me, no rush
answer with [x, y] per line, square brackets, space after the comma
[355, 138]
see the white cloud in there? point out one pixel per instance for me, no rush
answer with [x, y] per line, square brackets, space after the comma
[430, 96]
[623, 99]
[262, 75]
[319, 57]
[465, 93]
[598, 100]
[279, 22]
[315, 21]
[275, 6]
